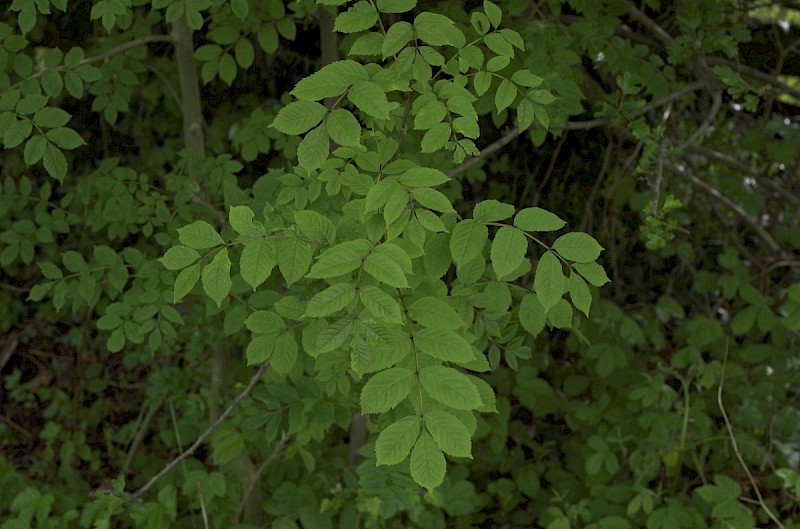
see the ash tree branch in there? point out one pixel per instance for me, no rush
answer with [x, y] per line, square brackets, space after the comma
[200, 440]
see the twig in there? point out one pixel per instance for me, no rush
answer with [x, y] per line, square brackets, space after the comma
[189, 451]
[570, 125]
[736, 446]
[736, 208]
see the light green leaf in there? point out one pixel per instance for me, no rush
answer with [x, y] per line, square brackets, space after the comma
[314, 149]
[429, 220]
[549, 280]
[217, 277]
[380, 304]
[179, 257]
[437, 30]
[259, 349]
[436, 138]
[343, 127]
[51, 117]
[493, 13]
[532, 314]
[450, 434]
[423, 177]
[396, 440]
[185, 281]
[399, 34]
[428, 466]
[330, 300]
[264, 322]
[505, 95]
[340, 259]
[508, 250]
[284, 353]
[444, 345]
[385, 269]
[385, 390]
[492, 211]
[294, 257]
[435, 313]
[482, 82]
[593, 273]
[361, 16]
[498, 44]
[334, 336]
[315, 226]
[450, 387]
[257, 261]
[430, 115]
[537, 219]
[432, 199]
[379, 194]
[65, 138]
[578, 247]
[526, 78]
[579, 292]
[241, 220]
[560, 315]
[227, 68]
[199, 235]
[467, 240]
[396, 6]
[543, 97]
[370, 99]
[299, 117]
[331, 80]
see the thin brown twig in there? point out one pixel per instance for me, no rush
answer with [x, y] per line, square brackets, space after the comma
[735, 445]
[216, 424]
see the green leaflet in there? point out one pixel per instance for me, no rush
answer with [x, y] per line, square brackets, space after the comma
[343, 127]
[537, 219]
[217, 277]
[385, 269]
[444, 345]
[450, 387]
[578, 247]
[257, 261]
[380, 304]
[241, 220]
[284, 353]
[579, 293]
[508, 250]
[428, 466]
[361, 16]
[199, 235]
[334, 336]
[492, 211]
[435, 313]
[450, 434]
[313, 149]
[593, 273]
[467, 241]
[330, 81]
[370, 99]
[185, 281]
[340, 259]
[396, 440]
[294, 257]
[264, 322]
[299, 117]
[549, 280]
[178, 257]
[532, 315]
[330, 300]
[315, 225]
[385, 390]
